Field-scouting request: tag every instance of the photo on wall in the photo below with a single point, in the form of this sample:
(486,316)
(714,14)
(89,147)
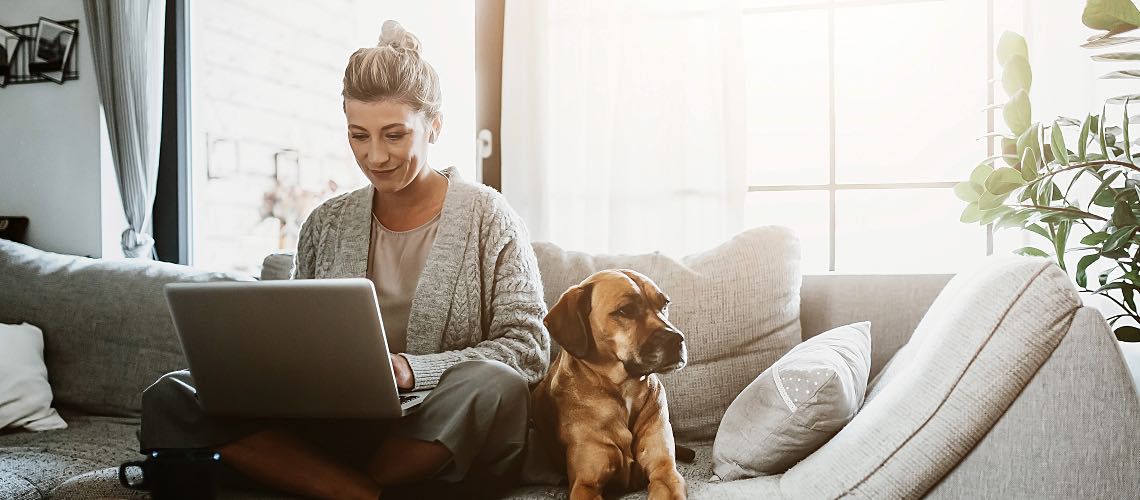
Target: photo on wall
(51,48)
(9,46)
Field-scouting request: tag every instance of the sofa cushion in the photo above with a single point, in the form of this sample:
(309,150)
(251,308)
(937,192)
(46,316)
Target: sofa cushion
(738,305)
(25,395)
(984,337)
(796,405)
(33,463)
(107,330)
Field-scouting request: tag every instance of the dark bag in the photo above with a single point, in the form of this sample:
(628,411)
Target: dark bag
(176,474)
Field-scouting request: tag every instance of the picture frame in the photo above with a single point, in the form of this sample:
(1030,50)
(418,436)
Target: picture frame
(51,48)
(9,47)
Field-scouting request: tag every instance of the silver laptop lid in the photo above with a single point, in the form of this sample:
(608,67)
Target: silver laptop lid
(287,348)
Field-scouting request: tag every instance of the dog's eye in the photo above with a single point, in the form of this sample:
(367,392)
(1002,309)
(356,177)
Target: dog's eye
(626,311)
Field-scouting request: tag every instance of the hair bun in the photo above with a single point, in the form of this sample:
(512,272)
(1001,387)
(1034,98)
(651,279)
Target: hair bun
(395,36)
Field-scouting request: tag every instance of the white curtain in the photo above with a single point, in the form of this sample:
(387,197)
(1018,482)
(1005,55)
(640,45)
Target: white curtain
(127,43)
(623,122)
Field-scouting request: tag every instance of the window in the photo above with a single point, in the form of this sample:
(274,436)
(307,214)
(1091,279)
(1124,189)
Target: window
(268,135)
(862,115)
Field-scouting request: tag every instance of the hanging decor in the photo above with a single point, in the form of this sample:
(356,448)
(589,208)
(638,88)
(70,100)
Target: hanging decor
(39,52)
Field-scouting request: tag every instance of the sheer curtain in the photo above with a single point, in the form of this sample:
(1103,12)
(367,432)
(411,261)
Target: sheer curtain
(127,44)
(623,122)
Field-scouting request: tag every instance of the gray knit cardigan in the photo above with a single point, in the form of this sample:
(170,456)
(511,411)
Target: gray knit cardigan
(479,295)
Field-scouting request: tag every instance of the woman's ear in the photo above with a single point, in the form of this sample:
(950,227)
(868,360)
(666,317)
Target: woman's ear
(569,322)
(436,127)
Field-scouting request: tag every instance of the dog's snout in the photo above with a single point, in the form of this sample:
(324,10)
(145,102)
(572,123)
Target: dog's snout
(668,338)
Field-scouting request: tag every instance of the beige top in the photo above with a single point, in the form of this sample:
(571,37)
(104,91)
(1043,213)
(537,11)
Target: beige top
(395,261)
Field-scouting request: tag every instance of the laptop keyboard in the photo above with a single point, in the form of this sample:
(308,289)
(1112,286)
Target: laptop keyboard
(405,399)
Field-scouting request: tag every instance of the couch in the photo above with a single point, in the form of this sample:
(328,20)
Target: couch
(996,383)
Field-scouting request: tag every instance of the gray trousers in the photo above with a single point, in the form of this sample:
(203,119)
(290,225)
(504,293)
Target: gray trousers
(478,411)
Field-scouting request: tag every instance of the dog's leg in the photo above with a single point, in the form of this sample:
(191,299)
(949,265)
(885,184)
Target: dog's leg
(589,467)
(654,452)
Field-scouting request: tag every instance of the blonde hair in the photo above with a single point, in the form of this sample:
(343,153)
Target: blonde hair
(393,69)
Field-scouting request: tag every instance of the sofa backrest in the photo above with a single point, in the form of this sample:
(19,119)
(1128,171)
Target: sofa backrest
(107,330)
(893,303)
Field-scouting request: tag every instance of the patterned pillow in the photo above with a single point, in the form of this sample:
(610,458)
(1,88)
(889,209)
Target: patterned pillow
(795,406)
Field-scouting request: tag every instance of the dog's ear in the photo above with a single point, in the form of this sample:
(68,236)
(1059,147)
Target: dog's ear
(569,322)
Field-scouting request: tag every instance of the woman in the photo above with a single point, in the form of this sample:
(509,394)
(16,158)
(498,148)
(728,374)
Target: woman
(462,301)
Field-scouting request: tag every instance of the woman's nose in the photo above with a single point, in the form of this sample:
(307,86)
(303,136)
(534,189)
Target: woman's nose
(377,154)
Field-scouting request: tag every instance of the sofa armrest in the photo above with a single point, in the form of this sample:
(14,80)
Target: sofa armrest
(1071,433)
(893,303)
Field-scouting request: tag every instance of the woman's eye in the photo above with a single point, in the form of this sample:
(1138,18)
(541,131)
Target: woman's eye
(395,137)
(360,137)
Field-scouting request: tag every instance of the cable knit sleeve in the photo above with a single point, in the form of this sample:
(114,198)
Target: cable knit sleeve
(513,317)
(304,260)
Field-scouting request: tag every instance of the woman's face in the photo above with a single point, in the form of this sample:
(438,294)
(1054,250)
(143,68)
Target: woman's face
(389,140)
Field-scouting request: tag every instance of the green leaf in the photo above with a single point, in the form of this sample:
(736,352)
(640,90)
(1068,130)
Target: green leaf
(1108,40)
(1030,251)
(1016,75)
(971,214)
(1122,215)
(967,191)
(993,214)
(989,201)
(1094,238)
(1059,240)
(1002,181)
(1058,145)
(1121,98)
(1127,333)
(1124,74)
(1028,139)
(1113,16)
(1127,146)
(1011,44)
(1117,56)
(1082,266)
(1083,140)
(1017,112)
(980,173)
(1028,164)
(1106,198)
(1009,150)
(1038,229)
(1119,239)
(1100,134)
(1013,218)
(1103,196)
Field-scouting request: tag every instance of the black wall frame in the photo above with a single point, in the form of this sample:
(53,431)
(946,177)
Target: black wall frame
(171,213)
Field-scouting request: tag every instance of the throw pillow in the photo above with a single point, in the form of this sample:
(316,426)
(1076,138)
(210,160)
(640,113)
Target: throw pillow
(25,395)
(737,303)
(796,405)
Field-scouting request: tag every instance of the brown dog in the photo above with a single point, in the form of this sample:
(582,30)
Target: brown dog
(600,410)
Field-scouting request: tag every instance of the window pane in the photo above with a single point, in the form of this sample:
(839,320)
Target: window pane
(805,212)
(787,99)
(909,92)
(904,231)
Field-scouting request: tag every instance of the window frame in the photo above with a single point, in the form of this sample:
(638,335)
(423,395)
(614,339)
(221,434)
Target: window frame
(831,187)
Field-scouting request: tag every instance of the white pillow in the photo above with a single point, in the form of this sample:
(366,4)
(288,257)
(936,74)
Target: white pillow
(25,395)
(796,405)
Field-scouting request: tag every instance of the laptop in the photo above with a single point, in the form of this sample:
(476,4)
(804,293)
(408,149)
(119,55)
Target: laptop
(288,348)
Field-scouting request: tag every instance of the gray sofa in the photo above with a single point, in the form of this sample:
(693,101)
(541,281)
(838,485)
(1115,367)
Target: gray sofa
(1055,421)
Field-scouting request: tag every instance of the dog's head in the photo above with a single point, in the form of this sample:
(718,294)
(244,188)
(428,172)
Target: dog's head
(618,315)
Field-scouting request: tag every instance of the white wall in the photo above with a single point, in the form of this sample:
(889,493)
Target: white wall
(50,153)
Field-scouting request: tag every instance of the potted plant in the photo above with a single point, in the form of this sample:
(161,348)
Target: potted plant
(1033,181)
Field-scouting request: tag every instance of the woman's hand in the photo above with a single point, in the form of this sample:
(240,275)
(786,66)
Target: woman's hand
(404,377)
